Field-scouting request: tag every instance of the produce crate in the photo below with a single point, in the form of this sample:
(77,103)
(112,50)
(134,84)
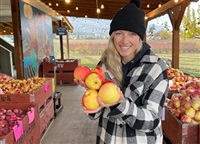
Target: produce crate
(46,117)
(178,132)
(66,65)
(39,96)
(64,71)
(30,131)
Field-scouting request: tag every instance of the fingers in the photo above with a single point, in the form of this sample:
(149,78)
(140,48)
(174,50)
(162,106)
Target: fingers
(92,111)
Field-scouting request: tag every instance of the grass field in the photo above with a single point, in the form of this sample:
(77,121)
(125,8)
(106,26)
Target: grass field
(89,51)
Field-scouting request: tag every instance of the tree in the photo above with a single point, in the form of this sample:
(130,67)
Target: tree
(165,34)
(189,24)
(151,29)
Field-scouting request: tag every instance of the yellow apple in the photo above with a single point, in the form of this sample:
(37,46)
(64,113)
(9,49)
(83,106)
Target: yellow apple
(89,100)
(109,93)
(93,81)
(81,72)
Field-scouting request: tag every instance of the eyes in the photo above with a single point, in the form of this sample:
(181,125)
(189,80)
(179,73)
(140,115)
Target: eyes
(118,33)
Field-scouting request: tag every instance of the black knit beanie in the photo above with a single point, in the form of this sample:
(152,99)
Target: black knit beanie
(130,18)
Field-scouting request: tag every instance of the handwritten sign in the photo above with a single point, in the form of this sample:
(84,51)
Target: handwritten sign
(31,115)
(47,87)
(18,130)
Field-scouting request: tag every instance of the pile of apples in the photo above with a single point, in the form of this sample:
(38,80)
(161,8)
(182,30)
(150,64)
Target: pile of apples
(178,78)
(173,72)
(96,85)
(18,86)
(9,118)
(185,105)
(191,88)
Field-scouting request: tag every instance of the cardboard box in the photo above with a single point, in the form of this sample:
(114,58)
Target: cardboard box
(178,132)
(30,131)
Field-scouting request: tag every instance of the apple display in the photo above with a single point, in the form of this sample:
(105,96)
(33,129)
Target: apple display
(109,93)
(89,100)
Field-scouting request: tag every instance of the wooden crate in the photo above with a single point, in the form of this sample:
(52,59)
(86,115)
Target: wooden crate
(62,66)
(39,96)
(46,116)
(30,131)
(178,132)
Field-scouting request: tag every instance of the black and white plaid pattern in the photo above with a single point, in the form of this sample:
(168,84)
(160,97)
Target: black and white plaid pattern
(137,120)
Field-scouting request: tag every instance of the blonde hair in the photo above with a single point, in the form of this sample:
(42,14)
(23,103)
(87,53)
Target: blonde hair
(112,60)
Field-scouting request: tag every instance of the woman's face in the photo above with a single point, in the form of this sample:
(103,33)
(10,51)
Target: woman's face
(126,43)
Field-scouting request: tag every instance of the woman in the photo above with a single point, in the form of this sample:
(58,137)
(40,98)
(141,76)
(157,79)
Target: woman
(142,78)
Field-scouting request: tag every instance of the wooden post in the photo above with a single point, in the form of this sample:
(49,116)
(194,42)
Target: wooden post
(18,52)
(67,41)
(61,42)
(176,16)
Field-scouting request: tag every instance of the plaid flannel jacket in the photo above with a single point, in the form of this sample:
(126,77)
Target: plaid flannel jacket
(137,120)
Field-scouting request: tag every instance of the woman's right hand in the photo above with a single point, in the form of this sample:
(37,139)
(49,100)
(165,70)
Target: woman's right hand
(80,82)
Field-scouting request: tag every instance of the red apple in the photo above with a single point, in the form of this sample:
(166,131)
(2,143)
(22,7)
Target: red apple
(107,81)
(191,84)
(109,93)
(195,95)
(190,90)
(100,71)
(183,90)
(81,72)
(93,81)
(186,119)
(89,100)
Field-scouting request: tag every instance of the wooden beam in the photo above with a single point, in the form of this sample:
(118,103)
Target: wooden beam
(17,39)
(163,9)
(176,16)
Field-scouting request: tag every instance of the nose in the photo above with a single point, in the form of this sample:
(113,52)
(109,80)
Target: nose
(125,39)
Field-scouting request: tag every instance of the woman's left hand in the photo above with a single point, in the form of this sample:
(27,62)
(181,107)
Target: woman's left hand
(102,105)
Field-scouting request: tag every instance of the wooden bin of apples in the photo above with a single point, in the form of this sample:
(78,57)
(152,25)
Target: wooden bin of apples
(19,123)
(34,90)
(96,85)
(64,70)
(182,115)
(179,80)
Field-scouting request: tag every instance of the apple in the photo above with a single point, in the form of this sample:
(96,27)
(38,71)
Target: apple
(190,90)
(186,119)
(197,116)
(177,103)
(81,72)
(190,112)
(195,95)
(89,100)
(187,105)
(191,84)
(183,90)
(100,71)
(93,81)
(196,104)
(198,83)
(109,93)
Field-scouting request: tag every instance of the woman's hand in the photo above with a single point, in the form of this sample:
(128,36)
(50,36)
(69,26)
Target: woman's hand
(102,104)
(80,82)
